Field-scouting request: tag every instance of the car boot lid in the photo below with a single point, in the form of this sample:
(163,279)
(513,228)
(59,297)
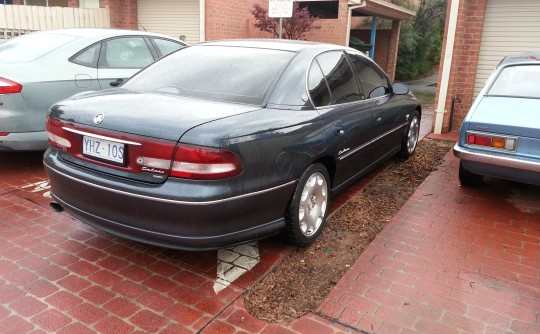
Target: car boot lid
(503,115)
(143,113)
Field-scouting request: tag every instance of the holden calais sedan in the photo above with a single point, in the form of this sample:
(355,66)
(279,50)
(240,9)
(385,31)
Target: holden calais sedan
(227,141)
(42,68)
(500,136)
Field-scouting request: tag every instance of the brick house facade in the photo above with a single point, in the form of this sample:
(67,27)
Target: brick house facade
(226,19)
(464,62)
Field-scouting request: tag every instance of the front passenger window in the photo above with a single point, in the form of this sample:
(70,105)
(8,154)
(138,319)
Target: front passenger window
(373,81)
(338,80)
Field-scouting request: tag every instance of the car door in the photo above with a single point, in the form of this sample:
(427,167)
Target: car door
(342,106)
(387,116)
(122,57)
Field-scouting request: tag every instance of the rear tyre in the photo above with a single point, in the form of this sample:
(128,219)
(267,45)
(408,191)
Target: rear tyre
(410,138)
(308,208)
(470,179)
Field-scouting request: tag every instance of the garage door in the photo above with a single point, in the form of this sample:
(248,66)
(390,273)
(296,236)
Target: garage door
(170,17)
(510,26)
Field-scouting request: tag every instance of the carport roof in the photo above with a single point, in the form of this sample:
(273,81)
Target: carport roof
(380,8)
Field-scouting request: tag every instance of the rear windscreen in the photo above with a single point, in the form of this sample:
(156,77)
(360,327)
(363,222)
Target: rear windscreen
(222,73)
(517,81)
(30,47)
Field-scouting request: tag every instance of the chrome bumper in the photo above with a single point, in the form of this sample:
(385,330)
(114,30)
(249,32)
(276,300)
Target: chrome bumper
(496,159)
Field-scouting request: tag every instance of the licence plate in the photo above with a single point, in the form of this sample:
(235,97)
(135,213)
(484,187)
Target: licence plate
(104,149)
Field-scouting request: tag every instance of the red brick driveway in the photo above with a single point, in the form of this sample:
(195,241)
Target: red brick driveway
(453,260)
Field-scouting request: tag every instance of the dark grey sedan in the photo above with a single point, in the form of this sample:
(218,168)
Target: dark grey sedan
(226,142)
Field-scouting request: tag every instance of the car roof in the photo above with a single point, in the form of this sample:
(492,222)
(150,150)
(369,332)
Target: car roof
(99,32)
(276,44)
(526,58)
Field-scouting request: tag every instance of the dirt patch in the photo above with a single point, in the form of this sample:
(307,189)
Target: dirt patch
(304,278)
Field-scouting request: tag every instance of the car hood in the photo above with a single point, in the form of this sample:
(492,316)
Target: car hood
(504,115)
(148,114)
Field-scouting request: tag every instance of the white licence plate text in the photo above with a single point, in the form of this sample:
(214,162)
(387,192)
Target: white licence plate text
(103,149)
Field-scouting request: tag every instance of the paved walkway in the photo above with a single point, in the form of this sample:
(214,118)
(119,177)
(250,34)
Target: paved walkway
(452,260)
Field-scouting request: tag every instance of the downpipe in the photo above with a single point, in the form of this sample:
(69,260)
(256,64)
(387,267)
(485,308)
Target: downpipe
(56,207)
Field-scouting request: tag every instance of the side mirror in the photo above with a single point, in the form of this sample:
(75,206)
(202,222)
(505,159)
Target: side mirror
(400,88)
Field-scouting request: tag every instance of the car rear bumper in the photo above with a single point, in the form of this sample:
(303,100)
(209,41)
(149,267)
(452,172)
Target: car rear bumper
(107,203)
(24,141)
(493,164)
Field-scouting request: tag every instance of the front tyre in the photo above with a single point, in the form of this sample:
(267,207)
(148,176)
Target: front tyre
(308,208)
(410,138)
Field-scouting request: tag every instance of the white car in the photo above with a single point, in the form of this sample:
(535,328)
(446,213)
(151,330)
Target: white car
(41,68)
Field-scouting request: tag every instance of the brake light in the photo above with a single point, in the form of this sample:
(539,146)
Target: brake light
(56,134)
(4,134)
(500,142)
(202,163)
(9,87)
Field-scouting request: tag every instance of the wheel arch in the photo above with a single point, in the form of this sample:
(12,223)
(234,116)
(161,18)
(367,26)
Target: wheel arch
(330,164)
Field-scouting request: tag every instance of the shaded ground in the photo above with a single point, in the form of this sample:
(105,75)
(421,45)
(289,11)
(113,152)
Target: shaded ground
(307,275)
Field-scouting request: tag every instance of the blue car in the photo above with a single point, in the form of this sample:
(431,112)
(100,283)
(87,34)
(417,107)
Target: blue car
(500,136)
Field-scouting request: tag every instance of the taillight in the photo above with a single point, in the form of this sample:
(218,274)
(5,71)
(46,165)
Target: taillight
(9,87)
(493,141)
(57,135)
(203,163)
(148,155)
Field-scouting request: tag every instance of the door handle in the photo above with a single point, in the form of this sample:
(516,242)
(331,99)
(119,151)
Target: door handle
(378,119)
(117,82)
(339,130)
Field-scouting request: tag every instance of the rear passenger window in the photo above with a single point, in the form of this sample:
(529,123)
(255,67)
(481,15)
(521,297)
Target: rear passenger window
(373,81)
(336,84)
(318,89)
(126,52)
(165,46)
(88,57)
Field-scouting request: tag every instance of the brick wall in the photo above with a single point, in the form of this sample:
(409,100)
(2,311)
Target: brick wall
(381,45)
(332,30)
(465,60)
(385,47)
(233,19)
(123,13)
(228,19)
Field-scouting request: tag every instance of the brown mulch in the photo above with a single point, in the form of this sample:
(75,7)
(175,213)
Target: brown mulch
(304,278)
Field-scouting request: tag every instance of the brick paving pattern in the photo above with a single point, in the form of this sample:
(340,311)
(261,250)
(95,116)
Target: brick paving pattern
(453,260)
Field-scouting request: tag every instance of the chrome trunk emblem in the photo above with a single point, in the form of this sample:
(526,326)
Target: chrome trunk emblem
(99,118)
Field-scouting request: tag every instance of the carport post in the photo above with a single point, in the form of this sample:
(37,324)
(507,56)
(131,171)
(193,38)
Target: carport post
(372,38)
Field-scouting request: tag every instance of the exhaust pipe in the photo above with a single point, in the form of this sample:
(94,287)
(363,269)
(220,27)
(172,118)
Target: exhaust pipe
(56,207)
